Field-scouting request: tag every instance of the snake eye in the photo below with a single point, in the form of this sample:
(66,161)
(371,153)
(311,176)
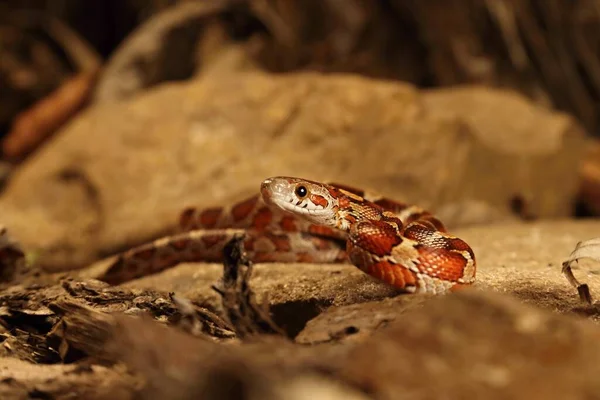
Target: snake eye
(301,191)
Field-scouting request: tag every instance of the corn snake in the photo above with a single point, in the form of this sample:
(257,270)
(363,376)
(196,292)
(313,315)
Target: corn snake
(297,220)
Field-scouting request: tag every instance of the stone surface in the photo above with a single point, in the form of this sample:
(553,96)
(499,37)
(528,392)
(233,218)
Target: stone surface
(520,148)
(478,345)
(23,380)
(119,174)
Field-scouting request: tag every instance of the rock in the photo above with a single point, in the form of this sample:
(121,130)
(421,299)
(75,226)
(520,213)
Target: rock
(164,48)
(23,380)
(470,344)
(356,322)
(478,345)
(119,174)
(177,366)
(520,145)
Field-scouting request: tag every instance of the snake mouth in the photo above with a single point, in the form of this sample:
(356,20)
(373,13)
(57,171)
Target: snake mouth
(299,207)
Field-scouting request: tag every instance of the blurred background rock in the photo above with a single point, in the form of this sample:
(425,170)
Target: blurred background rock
(495,101)
(544,49)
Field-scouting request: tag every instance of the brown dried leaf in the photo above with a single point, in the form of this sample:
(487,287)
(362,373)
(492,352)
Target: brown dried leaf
(586,249)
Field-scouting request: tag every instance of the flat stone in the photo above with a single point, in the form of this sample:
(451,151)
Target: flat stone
(478,345)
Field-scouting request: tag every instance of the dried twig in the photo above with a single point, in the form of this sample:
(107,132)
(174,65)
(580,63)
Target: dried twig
(198,321)
(246,316)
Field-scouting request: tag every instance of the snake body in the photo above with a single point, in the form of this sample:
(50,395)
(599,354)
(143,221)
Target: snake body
(298,220)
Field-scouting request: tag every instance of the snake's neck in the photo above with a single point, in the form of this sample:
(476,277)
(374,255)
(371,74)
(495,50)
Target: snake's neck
(352,209)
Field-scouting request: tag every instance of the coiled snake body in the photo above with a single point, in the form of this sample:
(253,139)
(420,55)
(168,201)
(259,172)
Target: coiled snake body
(297,220)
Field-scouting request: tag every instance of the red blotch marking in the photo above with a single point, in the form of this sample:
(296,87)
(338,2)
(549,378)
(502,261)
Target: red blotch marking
(187,219)
(209,217)
(351,219)
(212,240)
(249,243)
(197,254)
(319,230)
(344,202)
(281,242)
(165,261)
(244,209)
(430,240)
(426,219)
(262,257)
(145,254)
(390,205)
(436,223)
(322,244)
(459,244)
(393,221)
(418,217)
(418,232)
(334,192)
(304,258)
(441,263)
(179,244)
(376,272)
(288,224)
(376,237)
(350,189)
(262,219)
(319,200)
(427,225)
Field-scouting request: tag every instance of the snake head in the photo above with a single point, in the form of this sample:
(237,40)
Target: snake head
(314,201)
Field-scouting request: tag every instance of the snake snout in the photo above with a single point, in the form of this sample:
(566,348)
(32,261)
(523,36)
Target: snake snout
(276,190)
(264,189)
